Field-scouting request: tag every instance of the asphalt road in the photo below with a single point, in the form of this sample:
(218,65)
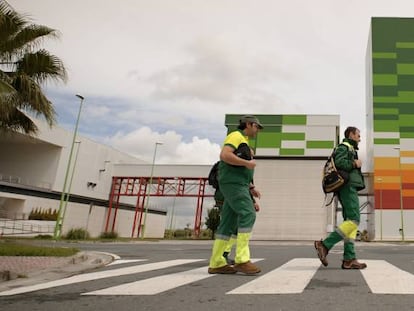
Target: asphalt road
(150,277)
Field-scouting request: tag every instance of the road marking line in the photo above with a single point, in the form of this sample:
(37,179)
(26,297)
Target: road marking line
(385,278)
(99,275)
(155,285)
(158,284)
(122,261)
(290,278)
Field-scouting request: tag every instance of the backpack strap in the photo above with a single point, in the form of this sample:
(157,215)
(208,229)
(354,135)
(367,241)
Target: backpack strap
(350,147)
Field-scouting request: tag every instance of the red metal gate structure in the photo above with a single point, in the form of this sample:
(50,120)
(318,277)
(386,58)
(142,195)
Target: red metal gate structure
(143,187)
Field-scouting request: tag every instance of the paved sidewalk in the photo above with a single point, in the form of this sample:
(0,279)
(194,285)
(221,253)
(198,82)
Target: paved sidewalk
(16,271)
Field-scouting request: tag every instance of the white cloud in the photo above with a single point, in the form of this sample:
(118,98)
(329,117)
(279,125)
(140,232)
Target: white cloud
(174,150)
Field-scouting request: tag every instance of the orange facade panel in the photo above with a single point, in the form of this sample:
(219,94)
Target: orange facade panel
(407,154)
(386,163)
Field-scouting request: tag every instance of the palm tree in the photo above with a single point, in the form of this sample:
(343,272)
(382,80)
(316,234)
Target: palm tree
(23,68)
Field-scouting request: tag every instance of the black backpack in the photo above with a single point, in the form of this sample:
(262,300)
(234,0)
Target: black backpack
(332,178)
(213,176)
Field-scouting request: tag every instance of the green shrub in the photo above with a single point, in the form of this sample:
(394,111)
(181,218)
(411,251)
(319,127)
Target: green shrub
(14,249)
(77,234)
(44,236)
(109,235)
(41,214)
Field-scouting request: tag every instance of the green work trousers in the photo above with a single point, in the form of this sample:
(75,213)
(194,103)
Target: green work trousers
(348,197)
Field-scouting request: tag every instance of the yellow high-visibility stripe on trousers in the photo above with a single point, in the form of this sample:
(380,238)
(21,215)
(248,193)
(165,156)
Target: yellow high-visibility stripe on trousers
(348,229)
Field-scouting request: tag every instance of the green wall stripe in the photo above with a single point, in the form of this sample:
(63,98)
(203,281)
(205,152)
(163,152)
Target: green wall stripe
(384,66)
(406,109)
(385,79)
(384,55)
(384,90)
(293,136)
(404,45)
(292,152)
(405,69)
(403,97)
(405,56)
(405,82)
(406,129)
(386,141)
(386,111)
(320,144)
(386,126)
(406,119)
(299,119)
(386,117)
(407,135)
(269,140)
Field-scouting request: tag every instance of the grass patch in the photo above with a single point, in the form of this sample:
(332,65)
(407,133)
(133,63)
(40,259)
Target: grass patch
(15,249)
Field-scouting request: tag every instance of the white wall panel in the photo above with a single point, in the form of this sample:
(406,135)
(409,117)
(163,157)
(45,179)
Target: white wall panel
(292,199)
(322,119)
(321,133)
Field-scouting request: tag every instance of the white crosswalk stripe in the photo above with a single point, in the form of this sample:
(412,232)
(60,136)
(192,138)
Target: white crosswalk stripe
(155,285)
(385,278)
(291,278)
(122,261)
(100,275)
(158,284)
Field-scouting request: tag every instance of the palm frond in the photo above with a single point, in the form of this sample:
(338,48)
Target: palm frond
(19,122)
(27,39)
(11,23)
(32,98)
(41,66)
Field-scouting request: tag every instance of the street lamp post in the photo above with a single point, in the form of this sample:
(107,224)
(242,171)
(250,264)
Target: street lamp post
(149,190)
(380,186)
(401,194)
(59,221)
(70,182)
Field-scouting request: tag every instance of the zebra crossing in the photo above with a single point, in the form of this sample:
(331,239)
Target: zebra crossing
(291,277)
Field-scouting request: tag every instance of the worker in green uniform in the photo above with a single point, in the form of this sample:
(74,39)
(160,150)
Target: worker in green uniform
(235,176)
(346,159)
(219,201)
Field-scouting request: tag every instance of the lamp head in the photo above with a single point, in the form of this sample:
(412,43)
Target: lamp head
(80,96)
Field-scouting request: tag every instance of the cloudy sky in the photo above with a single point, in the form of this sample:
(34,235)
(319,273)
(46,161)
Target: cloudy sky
(169,70)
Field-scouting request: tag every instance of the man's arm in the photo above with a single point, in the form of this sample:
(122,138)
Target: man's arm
(227,155)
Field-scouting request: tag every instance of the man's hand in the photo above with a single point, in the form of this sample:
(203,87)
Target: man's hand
(256,193)
(251,164)
(357,163)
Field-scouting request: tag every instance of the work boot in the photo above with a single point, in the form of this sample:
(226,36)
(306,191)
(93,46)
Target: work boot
(247,268)
(353,264)
(228,260)
(322,252)
(222,270)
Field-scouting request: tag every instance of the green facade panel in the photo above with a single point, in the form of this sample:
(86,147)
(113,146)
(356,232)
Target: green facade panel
(318,144)
(286,130)
(292,152)
(385,79)
(406,119)
(386,141)
(269,140)
(386,126)
(405,69)
(384,55)
(293,136)
(405,45)
(384,66)
(407,135)
(294,119)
